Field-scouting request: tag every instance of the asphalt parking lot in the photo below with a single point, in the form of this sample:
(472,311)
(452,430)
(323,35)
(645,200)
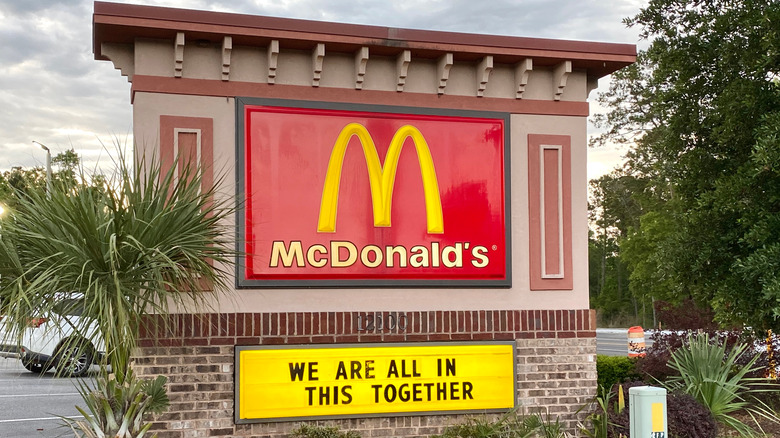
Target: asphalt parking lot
(31,405)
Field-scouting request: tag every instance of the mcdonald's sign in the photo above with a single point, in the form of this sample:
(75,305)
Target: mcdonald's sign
(354,195)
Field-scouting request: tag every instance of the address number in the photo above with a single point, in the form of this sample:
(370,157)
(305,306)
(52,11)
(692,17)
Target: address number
(378,322)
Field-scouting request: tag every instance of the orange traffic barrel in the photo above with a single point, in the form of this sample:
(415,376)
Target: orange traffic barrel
(636,342)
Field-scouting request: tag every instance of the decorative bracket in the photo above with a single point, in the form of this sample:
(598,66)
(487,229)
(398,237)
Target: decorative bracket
(273,58)
(178,55)
(227,48)
(443,71)
(122,56)
(483,74)
(361,60)
(317,56)
(402,65)
(560,75)
(522,71)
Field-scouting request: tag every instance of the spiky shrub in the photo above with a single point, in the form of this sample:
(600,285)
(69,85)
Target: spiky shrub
(117,409)
(710,373)
(144,240)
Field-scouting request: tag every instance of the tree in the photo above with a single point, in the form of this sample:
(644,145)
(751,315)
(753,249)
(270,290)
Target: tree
(69,168)
(702,106)
(143,241)
(614,212)
(19,182)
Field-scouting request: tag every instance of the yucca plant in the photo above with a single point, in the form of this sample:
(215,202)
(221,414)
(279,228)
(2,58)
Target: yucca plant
(145,240)
(710,374)
(117,409)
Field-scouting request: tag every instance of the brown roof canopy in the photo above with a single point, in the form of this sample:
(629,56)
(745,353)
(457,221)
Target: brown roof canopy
(122,23)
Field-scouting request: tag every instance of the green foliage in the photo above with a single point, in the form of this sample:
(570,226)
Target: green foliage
(125,246)
(551,429)
(308,431)
(69,168)
(615,209)
(701,109)
(118,409)
(509,425)
(710,374)
(21,182)
(685,315)
(615,369)
(18,181)
(599,417)
(148,242)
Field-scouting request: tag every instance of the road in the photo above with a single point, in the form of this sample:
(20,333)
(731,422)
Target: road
(30,405)
(614,342)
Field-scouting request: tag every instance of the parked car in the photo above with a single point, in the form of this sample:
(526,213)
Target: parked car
(47,343)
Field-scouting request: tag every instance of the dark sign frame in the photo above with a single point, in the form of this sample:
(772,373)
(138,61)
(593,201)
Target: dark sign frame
(237,373)
(243,283)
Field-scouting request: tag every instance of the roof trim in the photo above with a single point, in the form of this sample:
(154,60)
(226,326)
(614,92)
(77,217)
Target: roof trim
(112,19)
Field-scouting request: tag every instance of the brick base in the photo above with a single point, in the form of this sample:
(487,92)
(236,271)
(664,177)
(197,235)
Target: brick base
(555,356)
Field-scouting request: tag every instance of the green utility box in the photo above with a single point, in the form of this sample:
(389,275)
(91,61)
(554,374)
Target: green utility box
(647,412)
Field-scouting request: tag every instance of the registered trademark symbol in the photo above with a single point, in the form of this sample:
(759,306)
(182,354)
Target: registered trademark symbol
(495,247)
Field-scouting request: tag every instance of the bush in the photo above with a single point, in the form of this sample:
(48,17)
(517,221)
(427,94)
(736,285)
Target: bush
(654,366)
(686,315)
(686,417)
(712,375)
(509,425)
(307,431)
(615,369)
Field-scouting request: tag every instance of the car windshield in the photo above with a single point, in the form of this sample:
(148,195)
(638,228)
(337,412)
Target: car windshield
(70,307)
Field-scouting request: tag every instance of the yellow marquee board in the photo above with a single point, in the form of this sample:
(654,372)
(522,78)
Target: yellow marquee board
(276,383)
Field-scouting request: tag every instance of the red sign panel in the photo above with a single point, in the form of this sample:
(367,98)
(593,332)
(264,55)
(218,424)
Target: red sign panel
(337,197)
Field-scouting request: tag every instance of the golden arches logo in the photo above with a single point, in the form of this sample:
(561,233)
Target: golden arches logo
(381,178)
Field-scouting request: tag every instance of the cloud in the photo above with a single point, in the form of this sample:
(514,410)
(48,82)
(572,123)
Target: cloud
(51,88)
(53,91)
(33,8)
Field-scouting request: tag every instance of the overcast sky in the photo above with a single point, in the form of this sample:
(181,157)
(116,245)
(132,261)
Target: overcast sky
(53,91)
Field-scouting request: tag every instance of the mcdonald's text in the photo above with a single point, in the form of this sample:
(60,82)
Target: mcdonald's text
(342,254)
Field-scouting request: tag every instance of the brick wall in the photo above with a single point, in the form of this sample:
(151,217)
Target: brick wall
(555,356)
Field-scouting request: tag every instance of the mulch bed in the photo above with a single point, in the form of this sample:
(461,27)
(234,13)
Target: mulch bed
(771,429)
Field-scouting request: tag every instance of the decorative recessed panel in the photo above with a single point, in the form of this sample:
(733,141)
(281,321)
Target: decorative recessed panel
(549,201)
